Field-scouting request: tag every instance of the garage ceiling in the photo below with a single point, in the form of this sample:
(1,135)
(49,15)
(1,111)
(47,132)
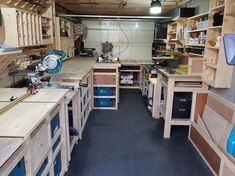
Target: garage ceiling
(116,7)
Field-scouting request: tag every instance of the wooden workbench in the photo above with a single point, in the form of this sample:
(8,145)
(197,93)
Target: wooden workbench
(172,83)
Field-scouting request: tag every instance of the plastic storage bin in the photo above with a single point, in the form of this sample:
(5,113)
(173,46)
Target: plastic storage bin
(19,169)
(55,125)
(57,165)
(103,91)
(104,102)
(182,105)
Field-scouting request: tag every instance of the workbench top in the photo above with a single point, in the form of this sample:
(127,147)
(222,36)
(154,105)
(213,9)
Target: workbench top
(168,75)
(47,96)
(8,147)
(23,118)
(10,52)
(135,62)
(16,93)
(4,104)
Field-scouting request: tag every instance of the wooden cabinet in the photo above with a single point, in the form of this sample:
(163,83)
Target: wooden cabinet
(106,89)
(176,33)
(65,36)
(22,28)
(216,72)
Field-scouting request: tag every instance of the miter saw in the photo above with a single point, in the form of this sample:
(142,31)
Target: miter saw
(51,63)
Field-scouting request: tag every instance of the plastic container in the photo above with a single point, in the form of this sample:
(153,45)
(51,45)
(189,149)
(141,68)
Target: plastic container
(231,142)
(103,91)
(104,102)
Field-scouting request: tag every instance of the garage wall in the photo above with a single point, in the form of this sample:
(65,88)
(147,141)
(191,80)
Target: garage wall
(131,40)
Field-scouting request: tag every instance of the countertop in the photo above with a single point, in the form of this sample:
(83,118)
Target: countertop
(168,75)
(135,62)
(16,93)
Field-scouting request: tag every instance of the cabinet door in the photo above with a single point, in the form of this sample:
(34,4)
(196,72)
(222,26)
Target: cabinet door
(104,79)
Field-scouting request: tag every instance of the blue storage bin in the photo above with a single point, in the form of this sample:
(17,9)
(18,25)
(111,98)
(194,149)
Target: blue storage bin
(19,169)
(55,125)
(103,102)
(57,142)
(42,168)
(103,91)
(57,165)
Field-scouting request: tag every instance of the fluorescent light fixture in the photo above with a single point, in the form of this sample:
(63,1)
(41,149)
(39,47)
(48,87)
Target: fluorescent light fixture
(156,7)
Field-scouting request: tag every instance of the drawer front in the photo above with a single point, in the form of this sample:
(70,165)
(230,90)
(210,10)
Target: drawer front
(209,154)
(42,168)
(19,169)
(104,79)
(40,145)
(57,165)
(55,124)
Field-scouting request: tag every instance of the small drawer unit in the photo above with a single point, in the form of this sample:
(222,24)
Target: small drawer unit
(57,165)
(104,102)
(19,169)
(104,91)
(182,105)
(55,124)
(42,168)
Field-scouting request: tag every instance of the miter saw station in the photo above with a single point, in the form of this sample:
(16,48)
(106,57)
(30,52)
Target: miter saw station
(51,64)
(107,56)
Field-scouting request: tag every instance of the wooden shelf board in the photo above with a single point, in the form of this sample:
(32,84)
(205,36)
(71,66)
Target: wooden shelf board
(212,65)
(104,85)
(107,108)
(129,70)
(194,54)
(201,45)
(215,27)
(129,87)
(212,47)
(171,33)
(105,97)
(198,16)
(218,8)
(198,30)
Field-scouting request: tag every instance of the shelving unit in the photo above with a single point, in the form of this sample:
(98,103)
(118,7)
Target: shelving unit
(106,88)
(176,33)
(196,41)
(130,76)
(216,72)
(22,28)
(65,36)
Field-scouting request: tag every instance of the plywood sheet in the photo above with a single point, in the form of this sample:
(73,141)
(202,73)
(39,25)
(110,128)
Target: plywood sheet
(8,146)
(215,124)
(23,118)
(209,154)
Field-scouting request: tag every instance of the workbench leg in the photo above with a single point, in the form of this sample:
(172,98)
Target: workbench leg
(157,97)
(169,106)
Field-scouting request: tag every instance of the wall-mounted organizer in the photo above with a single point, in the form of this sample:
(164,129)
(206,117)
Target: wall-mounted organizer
(106,89)
(130,76)
(176,33)
(65,36)
(22,28)
(216,72)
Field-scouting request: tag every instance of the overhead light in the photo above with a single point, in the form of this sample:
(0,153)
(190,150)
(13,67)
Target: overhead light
(156,7)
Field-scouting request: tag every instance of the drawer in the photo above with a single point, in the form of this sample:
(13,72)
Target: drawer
(42,168)
(55,124)
(57,165)
(104,79)
(40,145)
(19,169)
